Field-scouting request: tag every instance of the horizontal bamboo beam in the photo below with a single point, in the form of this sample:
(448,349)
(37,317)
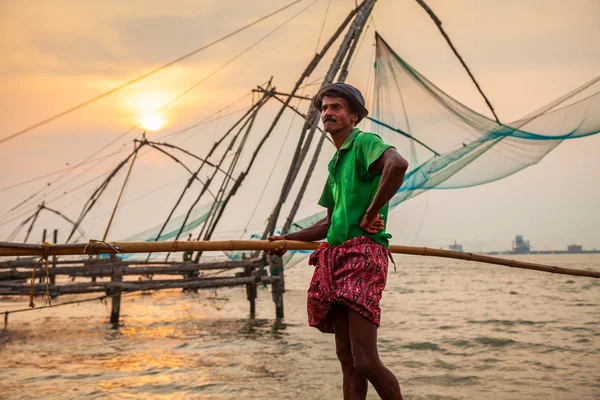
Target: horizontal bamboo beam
(426,251)
(20,249)
(132,286)
(107,270)
(31,261)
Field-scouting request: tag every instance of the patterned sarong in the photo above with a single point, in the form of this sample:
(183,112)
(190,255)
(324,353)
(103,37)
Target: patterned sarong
(352,274)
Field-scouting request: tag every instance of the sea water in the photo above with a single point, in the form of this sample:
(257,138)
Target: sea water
(450,330)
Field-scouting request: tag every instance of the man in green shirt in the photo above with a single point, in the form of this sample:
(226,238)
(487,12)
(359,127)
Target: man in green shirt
(351,268)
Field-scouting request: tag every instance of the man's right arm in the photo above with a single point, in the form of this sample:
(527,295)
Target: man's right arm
(316,231)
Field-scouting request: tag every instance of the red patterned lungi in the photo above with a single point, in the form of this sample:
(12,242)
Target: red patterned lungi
(352,274)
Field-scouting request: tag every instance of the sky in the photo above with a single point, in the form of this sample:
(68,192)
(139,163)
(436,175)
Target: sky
(59,54)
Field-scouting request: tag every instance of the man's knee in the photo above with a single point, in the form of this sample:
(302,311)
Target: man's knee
(366,364)
(344,355)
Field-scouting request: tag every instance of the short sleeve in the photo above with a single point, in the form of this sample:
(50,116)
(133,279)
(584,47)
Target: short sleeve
(370,148)
(327,199)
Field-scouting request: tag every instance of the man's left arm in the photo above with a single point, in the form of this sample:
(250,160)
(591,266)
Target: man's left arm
(392,167)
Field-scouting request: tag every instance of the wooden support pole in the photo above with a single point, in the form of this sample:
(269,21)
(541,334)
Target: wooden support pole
(191,275)
(43,241)
(54,240)
(251,289)
(278,286)
(251,292)
(250,271)
(85,266)
(116,291)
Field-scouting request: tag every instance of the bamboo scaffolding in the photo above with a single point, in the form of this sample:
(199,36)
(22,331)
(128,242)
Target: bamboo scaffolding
(353,40)
(274,95)
(35,216)
(191,180)
(133,286)
(21,249)
(91,201)
(244,121)
(106,270)
(311,123)
(31,261)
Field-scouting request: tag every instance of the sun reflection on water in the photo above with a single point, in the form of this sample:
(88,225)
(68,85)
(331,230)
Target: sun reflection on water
(141,361)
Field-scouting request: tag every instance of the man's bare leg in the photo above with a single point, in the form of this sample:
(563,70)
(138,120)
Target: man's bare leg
(355,385)
(363,339)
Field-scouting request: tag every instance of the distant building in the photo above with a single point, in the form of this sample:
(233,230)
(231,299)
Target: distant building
(520,245)
(456,247)
(574,248)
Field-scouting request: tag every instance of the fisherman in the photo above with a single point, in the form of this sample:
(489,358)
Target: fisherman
(351,267)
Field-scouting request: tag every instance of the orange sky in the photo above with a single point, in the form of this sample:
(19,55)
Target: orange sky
(55,55)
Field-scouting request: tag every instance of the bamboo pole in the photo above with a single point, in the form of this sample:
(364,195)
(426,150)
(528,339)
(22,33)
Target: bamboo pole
(112,287)
(54,258)
(29,263)
(116,280)
(108,269)
(311,123)
(95,247)
(35,216)
(91,201)
(114,212)
(43,240)
(445,35)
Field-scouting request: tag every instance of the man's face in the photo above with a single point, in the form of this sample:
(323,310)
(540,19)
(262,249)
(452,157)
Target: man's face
(336,114)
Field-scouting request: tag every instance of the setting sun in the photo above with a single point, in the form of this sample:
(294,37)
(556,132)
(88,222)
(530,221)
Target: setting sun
(153,123)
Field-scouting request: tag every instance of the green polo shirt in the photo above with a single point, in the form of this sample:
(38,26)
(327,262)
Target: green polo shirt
(350,188)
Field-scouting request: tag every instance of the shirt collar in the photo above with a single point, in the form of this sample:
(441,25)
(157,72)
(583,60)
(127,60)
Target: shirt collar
(350,139)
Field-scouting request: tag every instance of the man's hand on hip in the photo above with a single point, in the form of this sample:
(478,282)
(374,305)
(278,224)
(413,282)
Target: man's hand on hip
(372,223)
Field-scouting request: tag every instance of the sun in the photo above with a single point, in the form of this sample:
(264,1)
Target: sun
(153,123)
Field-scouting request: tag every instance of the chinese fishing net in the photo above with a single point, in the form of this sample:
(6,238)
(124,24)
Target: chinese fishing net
(449,145)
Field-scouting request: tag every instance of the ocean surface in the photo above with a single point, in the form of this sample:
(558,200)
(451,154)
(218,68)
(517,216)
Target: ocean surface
(450,330)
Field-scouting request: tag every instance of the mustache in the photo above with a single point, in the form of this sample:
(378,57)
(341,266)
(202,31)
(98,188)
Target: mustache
(329,118)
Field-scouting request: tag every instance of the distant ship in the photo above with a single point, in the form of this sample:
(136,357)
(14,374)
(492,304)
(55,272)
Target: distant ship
(520,245)
(456,247)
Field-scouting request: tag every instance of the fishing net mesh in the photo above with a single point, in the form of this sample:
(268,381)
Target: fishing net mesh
(449,145)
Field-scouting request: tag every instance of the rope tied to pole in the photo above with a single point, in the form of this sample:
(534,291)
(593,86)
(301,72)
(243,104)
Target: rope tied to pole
(91,248)
(44,259)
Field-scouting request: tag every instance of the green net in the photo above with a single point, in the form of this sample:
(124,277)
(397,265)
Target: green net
(452,146)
